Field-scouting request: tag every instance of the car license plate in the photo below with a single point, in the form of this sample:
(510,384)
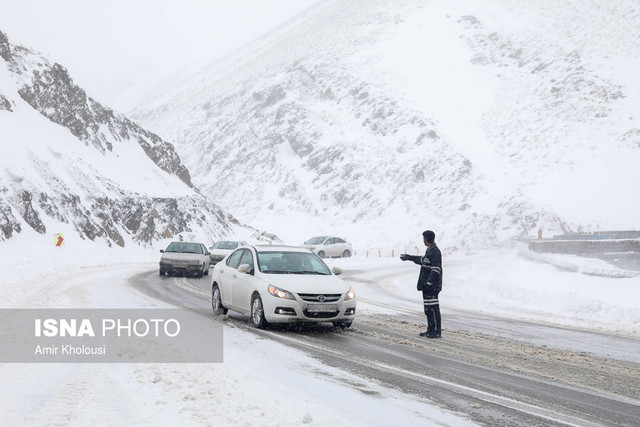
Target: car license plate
(321,308)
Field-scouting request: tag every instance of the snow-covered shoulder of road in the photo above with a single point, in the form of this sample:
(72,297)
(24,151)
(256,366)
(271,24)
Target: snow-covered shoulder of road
(260,382)
(566,290)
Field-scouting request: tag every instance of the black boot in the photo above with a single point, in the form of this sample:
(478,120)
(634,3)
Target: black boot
(431,321)
(436,311)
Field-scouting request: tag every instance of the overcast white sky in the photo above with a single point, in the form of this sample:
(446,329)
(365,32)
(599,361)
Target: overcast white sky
(124,52)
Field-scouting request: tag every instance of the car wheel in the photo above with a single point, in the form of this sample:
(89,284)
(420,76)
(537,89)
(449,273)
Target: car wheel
(162,272)
(321,254)
(206,270)
(346,253)
(257,313)
(216,302)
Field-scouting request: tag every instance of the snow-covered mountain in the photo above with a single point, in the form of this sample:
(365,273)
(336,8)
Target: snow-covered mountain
(483,120)
(69,164)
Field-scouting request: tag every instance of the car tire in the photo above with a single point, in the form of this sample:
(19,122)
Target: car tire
(257,313)
(321,254)
(162,272)
(216,302)
(206,270)
(346,253)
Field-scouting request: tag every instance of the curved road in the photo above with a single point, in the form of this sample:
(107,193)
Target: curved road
(496,371)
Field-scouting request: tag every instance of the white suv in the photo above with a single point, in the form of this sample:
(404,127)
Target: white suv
(329,246)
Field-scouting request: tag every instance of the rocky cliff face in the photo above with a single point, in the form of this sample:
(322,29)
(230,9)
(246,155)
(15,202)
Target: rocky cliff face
(52,92)
(133,217)
(75,171)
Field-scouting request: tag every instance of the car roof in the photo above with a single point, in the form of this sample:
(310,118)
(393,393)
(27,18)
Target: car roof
(190,243)
(280,248)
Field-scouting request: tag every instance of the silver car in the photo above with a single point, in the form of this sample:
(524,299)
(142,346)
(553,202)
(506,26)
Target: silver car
(185,258)
(329,246)
(281,284)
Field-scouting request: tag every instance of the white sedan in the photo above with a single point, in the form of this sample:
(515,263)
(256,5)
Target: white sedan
(329,246)
(281,284)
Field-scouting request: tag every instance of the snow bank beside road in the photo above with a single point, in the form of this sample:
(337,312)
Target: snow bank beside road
(502,282)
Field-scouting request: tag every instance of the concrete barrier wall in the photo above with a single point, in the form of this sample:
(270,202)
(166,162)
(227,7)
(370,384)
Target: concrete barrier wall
(586,247)
(600,235)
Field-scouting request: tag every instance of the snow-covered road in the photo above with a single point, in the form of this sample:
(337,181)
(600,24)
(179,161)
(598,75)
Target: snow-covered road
(492,369)
(488,367)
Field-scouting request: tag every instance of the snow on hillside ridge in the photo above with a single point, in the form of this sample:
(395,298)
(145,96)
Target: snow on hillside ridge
(70,165)
(484,120)
(50,90)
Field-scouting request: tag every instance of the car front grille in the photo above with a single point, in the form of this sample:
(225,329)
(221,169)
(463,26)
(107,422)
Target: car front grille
(320,297)
(327,315)
(180,262)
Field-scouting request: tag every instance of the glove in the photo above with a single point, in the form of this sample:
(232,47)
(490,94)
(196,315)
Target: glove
(404,257)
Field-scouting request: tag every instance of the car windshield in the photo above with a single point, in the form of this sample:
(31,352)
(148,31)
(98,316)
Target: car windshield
(291,263)
(185,248)
(225,245)
(315,240)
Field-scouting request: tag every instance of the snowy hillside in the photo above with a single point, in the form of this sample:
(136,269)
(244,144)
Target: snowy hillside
(70,165)
(483,120)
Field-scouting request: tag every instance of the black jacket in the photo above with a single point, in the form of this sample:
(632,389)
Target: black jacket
(430,279)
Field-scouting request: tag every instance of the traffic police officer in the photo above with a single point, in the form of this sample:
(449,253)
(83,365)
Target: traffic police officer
(429,282)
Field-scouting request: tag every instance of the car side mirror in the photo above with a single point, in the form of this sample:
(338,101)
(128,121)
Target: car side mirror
(337,271)
(207,253)
(245,268)
(161,251)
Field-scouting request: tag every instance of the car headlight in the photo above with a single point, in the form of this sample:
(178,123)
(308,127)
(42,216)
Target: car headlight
(280,293)
(350,295)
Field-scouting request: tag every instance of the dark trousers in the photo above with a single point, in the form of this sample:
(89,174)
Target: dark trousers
(432,311)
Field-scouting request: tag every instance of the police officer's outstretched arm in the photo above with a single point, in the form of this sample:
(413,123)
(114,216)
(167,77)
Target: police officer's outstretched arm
(407,257)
